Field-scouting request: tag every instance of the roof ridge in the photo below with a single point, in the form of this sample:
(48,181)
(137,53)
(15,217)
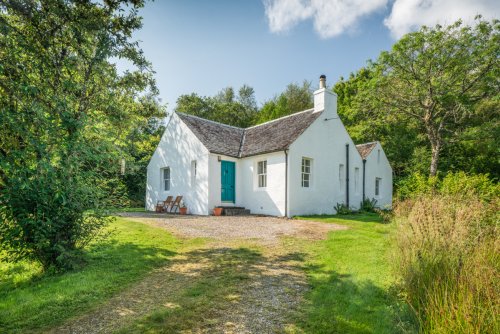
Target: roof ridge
(242,142)
(209,120)
(250,127)
(277,119)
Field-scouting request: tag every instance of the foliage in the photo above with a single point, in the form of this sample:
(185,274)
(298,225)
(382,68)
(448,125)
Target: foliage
(65,116)
(368,205)
(447,261)
(295,98)
(138,148)
(342,209)
(432,99)
(33,300)
(438,77)
(225,107)
(457,185)
(398,135)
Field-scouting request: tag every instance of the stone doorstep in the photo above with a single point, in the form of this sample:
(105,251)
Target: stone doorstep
(235,211)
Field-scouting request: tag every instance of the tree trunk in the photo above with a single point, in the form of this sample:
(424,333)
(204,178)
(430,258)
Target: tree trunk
(436,141)
(436,149)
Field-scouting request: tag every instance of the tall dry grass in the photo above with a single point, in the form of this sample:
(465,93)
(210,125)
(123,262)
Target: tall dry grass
(448,262)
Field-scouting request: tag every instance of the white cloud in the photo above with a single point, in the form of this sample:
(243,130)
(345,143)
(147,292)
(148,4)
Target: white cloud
(331,17)
(409,15)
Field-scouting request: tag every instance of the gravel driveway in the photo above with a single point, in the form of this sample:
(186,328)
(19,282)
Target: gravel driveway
(257,228)
(267,299)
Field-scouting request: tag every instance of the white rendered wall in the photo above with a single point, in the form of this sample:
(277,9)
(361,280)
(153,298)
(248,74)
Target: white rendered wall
(269,200)
(381,169)
(178,147)
(324,142)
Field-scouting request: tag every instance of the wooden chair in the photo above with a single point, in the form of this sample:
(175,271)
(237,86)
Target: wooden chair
(175,204)
(163,205)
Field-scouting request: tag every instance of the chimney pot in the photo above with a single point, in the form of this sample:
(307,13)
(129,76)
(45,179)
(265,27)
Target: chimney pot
(322,81)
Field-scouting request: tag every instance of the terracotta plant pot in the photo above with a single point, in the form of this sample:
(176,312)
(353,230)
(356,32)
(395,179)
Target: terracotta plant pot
(183,211)
(218,211)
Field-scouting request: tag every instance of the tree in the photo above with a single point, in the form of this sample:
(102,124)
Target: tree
(224,107)
(438,77)
(65,116)
(399,135)
(295,98)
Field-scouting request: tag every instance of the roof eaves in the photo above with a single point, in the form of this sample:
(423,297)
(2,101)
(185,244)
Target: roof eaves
(209,120)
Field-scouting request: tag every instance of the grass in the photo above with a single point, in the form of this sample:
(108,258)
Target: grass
(449,263)
(30,299)
(202,304)
(138,209)
(350,276)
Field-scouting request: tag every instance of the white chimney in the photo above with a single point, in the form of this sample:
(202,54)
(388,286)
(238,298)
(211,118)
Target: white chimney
(325,99)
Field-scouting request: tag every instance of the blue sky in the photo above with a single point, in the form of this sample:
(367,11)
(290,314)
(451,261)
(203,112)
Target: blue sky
(204,46)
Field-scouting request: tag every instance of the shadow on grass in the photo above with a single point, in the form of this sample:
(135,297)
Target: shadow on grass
(339,304)
(44,300)
(234,293)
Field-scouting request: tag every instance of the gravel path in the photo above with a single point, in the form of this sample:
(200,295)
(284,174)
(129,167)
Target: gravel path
(266,301)
(257,228)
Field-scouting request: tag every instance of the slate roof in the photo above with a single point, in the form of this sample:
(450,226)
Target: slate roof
(276,135)
(366,148)
(217,137)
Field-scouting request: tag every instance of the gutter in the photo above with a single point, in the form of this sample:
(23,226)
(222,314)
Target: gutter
(364,173)
(347,174)
(286,182)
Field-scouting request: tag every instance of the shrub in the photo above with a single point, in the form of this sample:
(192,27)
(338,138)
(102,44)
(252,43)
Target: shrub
(342,209)
(45,216)
(368,205)
(448,261)
(454,184)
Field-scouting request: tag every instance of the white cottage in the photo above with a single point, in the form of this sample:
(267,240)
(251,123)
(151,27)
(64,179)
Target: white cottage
(300,164)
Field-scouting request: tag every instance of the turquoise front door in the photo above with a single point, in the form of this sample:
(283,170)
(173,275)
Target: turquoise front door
(227,176)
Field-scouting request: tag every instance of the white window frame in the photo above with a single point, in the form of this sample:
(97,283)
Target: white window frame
(378,183)
(262,174)
(166,183)
(341,178)
(306,173)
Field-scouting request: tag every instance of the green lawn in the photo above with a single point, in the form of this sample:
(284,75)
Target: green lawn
(31,300)
(350,276)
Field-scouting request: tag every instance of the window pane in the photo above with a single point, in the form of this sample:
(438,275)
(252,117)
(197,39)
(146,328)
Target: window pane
(262,180)
(306,172)
(259,167)
(377,186)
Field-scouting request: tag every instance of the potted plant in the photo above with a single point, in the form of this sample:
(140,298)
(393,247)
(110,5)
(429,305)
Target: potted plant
(183,209)
(218,211)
